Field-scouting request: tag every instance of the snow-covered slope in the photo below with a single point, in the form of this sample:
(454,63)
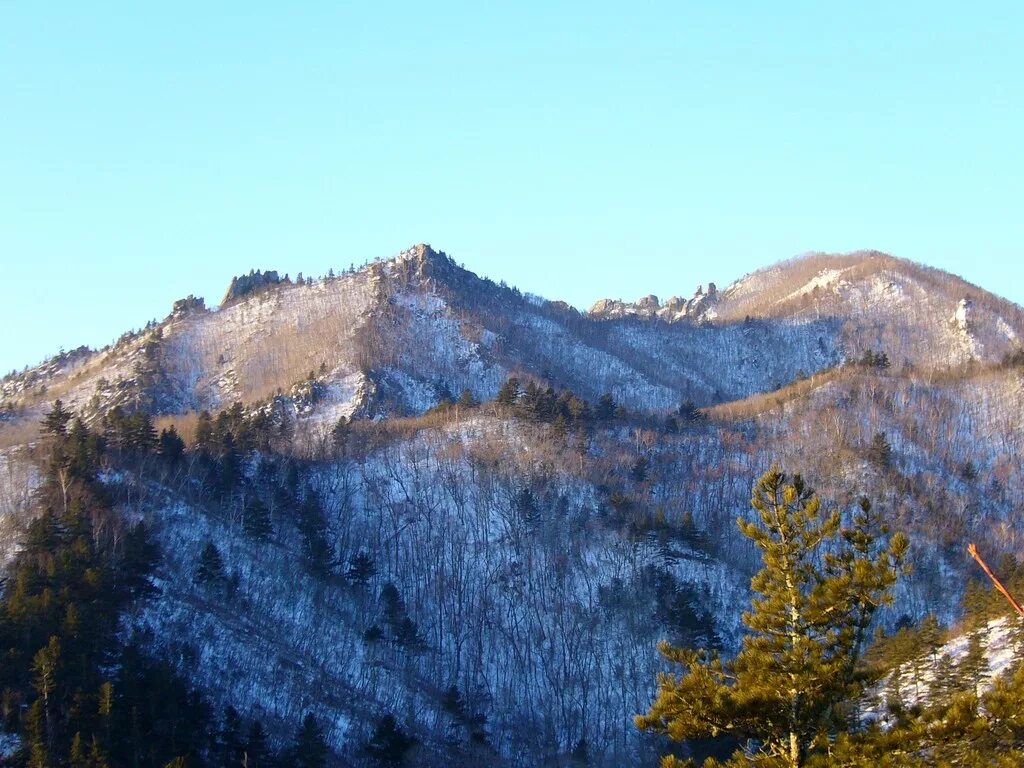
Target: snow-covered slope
(916,314)
(401,335)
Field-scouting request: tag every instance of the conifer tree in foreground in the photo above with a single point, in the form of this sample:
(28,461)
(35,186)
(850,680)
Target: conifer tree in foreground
(310,750)
(814,601)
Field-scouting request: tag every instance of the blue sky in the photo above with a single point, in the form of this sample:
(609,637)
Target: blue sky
(579,151)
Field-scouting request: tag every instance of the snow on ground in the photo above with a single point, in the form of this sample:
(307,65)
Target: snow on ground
(1002,641)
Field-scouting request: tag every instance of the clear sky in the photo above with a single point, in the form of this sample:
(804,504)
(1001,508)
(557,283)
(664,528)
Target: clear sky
(577,150)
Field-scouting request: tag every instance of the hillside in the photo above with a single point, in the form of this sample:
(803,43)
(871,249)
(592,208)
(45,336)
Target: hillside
(428,529)
(919,315)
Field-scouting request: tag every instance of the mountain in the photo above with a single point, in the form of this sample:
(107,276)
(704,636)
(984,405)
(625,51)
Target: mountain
(921,316)
(531,549)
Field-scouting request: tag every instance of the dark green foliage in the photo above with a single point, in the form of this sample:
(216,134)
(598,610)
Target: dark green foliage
(534,402)
(56,420)
(982,602)
(526,507)
(256,520)
(170,445)
(204,433)
(230,747)
(452,702)
(257,752)
(880,452)
(508,395)
(638,472)
(73,695)
(815,597)
(131,432)
(974,667)
(361,569)
(606,406)
(210,568)
(340,434)
(690,413)
(310,749)
(402,629)
(312,525)
(872,359)
(389,746)
(1014,359)
(966,730)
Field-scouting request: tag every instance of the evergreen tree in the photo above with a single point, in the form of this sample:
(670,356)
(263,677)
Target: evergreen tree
(211,565)
(880,452)
(142,435)
(310,750)
(638,472)
(606,406)
(820,585)
(229,743)
(361,569)
(313,526)
(256,521)
(943,683)
(56,420)
(689,412)
(508,395)
(86,701)
(339,434)
(974,666)
(204,441)
(170,446)
(389,746)
(257,753)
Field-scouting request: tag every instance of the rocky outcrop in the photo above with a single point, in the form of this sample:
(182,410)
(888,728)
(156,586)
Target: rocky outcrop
(699,307)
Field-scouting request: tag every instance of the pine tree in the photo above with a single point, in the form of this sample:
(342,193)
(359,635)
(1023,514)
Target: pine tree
(638,472)
(256,523)
(361,569)
(142,435)
(204,433)
(509,393)
(974,666)
(880,452)
(606,406)
(689,412)
(943,683)
(170,446)
(56,420)
(819,588)
(229,743)
(339,434)
(211,565)
(389,745)
(310,750)
(313,527)
(257,753)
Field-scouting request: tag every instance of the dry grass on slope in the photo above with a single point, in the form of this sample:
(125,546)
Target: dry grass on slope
(761,403)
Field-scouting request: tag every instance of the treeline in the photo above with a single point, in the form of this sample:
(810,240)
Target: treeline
(799,692)
(72,693)
(530,400)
